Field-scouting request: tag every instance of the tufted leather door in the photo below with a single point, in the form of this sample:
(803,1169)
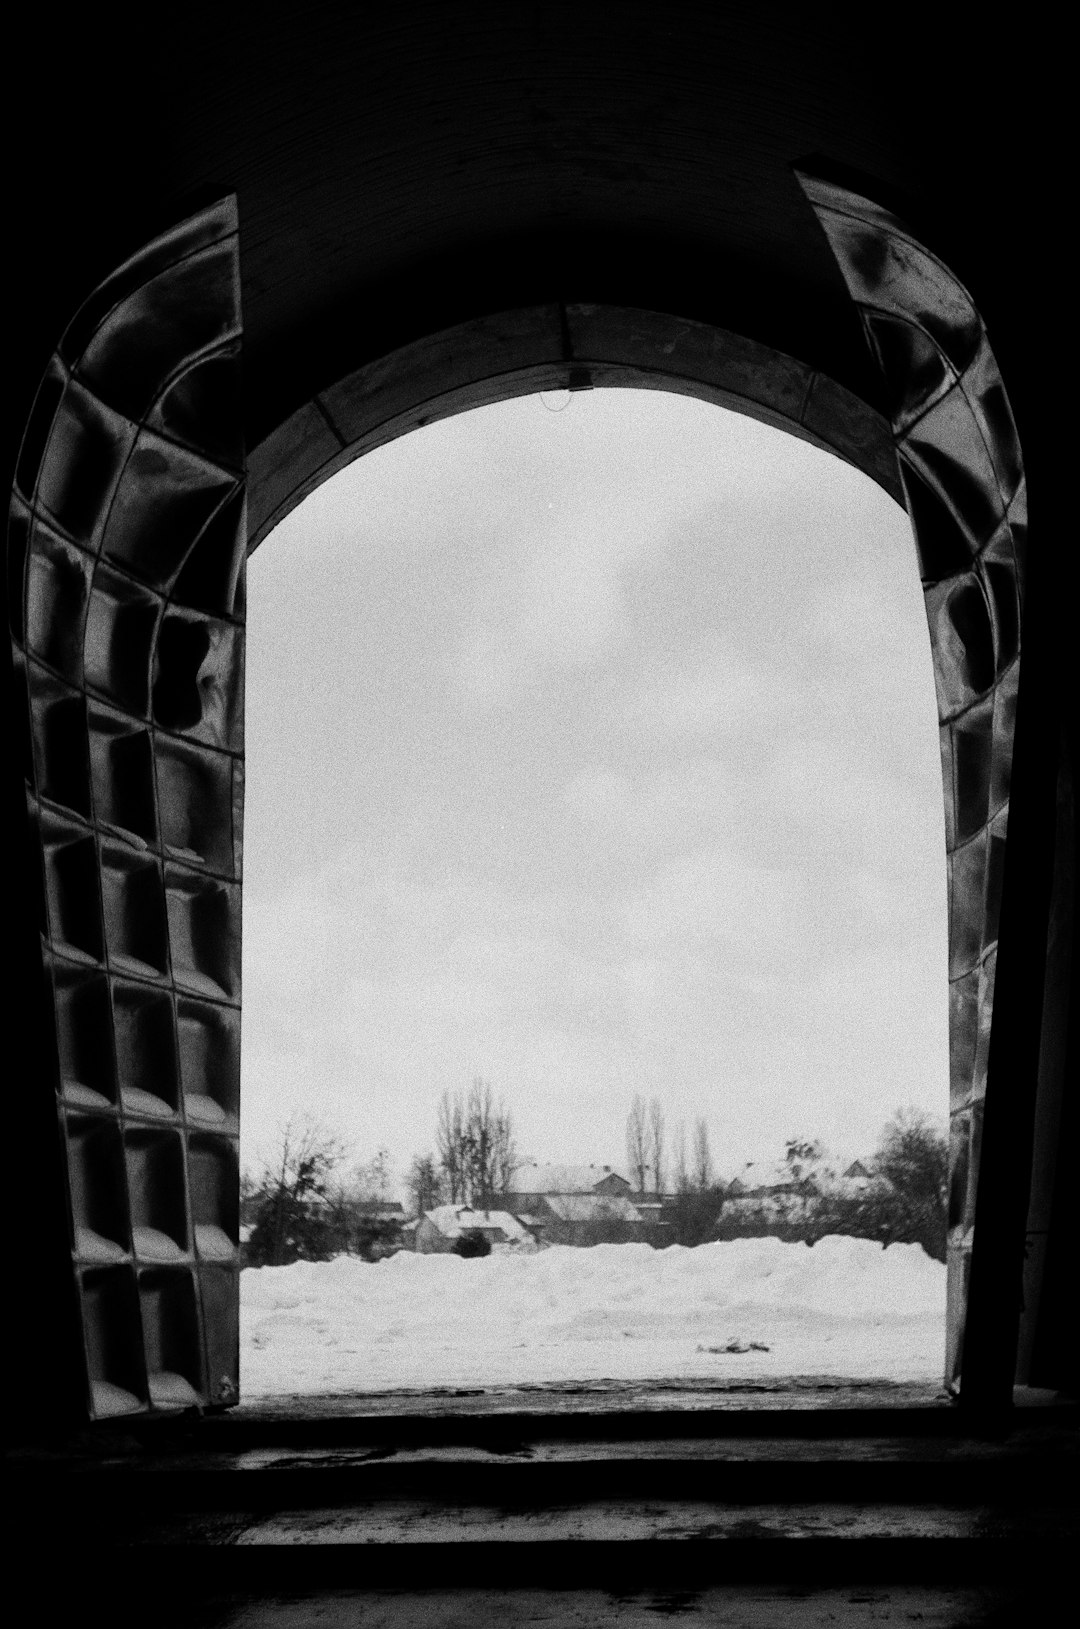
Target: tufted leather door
(127,546)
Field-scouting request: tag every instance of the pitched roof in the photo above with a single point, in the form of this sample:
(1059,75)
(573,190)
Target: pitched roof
(454,1220)
(560,1179)
(759,1176)
(592,1207)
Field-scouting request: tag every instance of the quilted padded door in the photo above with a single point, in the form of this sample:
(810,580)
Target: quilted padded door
(127,546)
(963,476)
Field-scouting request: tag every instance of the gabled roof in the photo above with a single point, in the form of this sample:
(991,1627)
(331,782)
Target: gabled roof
(759,1176)
(561,1179)
(454,1220)
(592,1207)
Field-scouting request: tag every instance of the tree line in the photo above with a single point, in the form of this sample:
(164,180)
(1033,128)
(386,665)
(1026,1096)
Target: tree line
(308,1202)
(903,1198)
(646,1151)
(474,1157)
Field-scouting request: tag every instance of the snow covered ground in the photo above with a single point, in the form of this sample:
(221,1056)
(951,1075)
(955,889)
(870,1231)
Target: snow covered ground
(737,1310)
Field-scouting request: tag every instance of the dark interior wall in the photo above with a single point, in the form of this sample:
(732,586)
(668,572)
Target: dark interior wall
(403,167)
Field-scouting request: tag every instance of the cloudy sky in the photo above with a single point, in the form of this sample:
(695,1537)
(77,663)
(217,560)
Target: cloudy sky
(593,752)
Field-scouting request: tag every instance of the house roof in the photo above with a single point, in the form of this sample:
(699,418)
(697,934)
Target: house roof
(454,1220)
(592,1207)
(759,1176)
(561,1179)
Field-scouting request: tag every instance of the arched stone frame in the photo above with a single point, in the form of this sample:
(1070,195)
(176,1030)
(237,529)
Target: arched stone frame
(151,546)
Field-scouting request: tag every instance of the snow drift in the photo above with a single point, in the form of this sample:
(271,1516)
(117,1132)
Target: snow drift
(734,1310)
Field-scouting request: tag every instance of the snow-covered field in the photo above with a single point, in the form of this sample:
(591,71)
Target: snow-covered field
(737,1310)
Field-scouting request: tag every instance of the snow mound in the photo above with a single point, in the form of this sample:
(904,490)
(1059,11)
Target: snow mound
(747,1307)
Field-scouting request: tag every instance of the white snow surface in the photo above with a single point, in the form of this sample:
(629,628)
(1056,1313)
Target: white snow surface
(844,1307)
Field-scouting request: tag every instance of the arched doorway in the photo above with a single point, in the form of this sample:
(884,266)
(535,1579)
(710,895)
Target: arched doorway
(592,752)
(129,529)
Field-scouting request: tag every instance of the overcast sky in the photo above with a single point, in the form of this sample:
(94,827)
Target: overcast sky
(593,752)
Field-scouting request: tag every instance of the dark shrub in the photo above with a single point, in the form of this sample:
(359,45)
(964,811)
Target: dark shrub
(287,1230)
(473,1243)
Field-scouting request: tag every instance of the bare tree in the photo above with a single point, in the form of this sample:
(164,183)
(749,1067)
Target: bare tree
(682,1172)
(251,1193)
(424,1183)
(637,1140)
(489,1146)
(505,1154)
(475,1142)
(337,1214)
(477,1146)
(699,1197)
(372,1183)
(656,1143)
(479,1136)
(449,1144)
(702,1164)
(293,1215)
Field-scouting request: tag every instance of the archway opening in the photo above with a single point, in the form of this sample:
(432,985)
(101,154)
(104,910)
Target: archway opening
(592,756)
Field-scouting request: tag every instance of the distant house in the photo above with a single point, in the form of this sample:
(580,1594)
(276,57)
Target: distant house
(583,1205)
(378,1227)
(855,1179)
(589,1218)
(759,1178)
(857,1182)
(378,1210)
(762,1195)
(530,1184)
(365,1227)
(650,1205)
(438,1231)
(773,1199)
(655,1213)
